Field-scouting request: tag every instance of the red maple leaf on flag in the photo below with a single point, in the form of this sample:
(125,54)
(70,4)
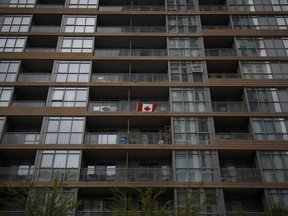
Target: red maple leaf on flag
(147,108)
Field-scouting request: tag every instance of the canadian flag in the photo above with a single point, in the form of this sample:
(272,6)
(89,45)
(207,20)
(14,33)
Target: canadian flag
(146,107)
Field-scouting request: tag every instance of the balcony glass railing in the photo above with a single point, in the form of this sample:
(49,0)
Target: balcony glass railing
(15,173)
(129,77)
(34,77)
(240,175)
(228,106)
(130,52)
(119,29)
(234,136)
(213,7)
(224,75)
(45,29)
(131,8)
(247,213)
(20,138)
(49,5)
(12,213)
(216,27)
(259,7)
(220,52)
(127,174)
(40,49)
(118,106)
(127,138)
(28,103)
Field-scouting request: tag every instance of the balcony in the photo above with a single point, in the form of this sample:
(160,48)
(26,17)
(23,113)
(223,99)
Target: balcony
(122,77)
(217,27)
(132,29)
(213,8)
(20,138)
(15,174)
(220,52)
(127,174)
(130,52)
(45,28)
(240,175)
(40,49)
(224,75)
(131,8)
(119,106)
(228,106)
(127,138)
(28,103)
(234,136)
(34,77)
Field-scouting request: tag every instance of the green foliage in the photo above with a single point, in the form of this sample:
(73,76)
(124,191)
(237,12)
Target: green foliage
(192,205)
(146,196)
(277,210)
(45,201)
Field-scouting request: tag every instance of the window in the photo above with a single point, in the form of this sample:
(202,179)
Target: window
(2,124)
(270,128)
(196,166)
(58,164)
(5,96)
(8,70)
(76,44)
(12,44)
(20,3)
(190,99)
(185,46)
(20,23)
(277,196)
(82,4)
(264,70)
(181,5)
(193,131)
(79,23)
(72,71)
(69,97)
(260,22)
(211,208)
(64,130)
(182,24)
(274,165)
(262,46)
(187,71)
(268,99)
(258,5)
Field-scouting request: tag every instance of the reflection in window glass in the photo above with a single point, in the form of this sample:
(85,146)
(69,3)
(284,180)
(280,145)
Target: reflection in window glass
(195,166)
(270,128)
(187,71)
(193,131)
(72,71)
(274,165)
(268,99)
(58,164)
(189,99)
(76,44)
(5,96)
(64,130)
(82,4)
(19,23)
(8,70)
(12,44)
(69,97)
(79,23)
(20,3)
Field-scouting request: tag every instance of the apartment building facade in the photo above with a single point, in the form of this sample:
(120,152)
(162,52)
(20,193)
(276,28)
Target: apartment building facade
(74,72)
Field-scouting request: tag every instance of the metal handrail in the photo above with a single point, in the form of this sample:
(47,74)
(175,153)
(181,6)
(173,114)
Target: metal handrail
(127,174)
